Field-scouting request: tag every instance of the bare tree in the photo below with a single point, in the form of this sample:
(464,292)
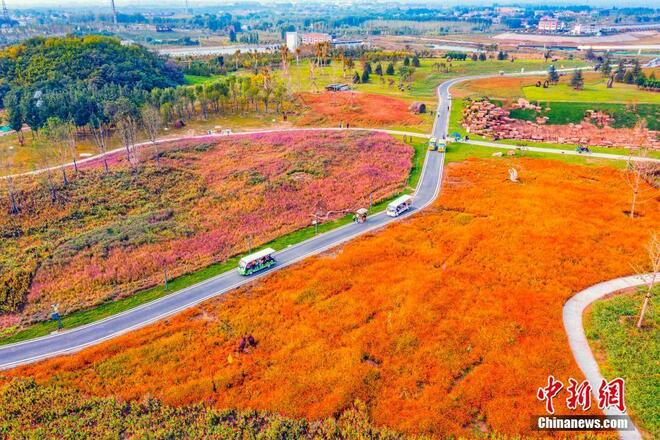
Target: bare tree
(127,127)
(152,122)
(55,132)
(653,249)
(633,176)
(6,169)
(100,135)
(46,164)
(237,55)
(69,136)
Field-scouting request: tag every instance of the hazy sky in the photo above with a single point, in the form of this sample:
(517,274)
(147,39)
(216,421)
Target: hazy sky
(87,3)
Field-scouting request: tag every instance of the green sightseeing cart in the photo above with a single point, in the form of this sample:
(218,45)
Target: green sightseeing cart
(257,261)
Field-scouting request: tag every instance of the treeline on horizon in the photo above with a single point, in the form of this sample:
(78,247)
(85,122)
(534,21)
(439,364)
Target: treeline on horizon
(95,81)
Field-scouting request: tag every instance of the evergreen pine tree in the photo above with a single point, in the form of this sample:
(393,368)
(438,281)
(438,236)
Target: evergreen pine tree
(628,77)
(620,71)
(577,80)
(365,76)
(606,68)
(553,76)
(636,70)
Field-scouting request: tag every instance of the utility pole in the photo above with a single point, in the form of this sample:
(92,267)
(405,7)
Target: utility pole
(5,12)
(114,11)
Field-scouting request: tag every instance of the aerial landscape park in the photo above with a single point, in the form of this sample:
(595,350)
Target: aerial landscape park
(329,220)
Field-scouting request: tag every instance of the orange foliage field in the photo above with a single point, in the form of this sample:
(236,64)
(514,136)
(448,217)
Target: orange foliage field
(444,323)
(498,87)
(357,109)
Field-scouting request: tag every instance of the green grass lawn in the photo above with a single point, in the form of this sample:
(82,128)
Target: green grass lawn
(625,115)
(627,352)
(197,79)
(592,92)
(458,152)
(83,317)
(425,79)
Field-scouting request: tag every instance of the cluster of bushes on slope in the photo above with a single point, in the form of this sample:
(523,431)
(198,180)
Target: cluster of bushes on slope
(103,235)
(30,410)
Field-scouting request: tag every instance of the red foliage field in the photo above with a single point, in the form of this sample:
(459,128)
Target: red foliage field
(357,109)
(444,323)
(109,235)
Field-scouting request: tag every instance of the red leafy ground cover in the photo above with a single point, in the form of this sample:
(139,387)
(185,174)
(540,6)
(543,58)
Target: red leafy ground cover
(446,323)
(357,109)
(107,236)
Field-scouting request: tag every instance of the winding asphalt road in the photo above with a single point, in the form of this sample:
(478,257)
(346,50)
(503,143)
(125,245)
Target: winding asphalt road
(78,338)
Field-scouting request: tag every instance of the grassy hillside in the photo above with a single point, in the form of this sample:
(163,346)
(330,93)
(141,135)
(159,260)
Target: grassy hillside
(29,410)
(105,236)
(595,91)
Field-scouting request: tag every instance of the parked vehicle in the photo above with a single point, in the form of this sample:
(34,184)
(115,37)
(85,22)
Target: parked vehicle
(399,206)
(257,261)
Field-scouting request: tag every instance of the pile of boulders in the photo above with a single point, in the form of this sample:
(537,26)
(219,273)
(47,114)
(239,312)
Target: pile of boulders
(524,104)
(598,118)
(484,118)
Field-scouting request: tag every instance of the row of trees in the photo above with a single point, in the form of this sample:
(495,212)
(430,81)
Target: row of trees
(405,72)
(628,72)
(60,118)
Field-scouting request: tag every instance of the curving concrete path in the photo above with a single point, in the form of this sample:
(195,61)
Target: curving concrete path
(572,316)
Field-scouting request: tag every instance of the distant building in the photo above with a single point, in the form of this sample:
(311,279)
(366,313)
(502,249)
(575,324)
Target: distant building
(348,44)
(295,39)
(549,24)
(585,29)
(508,11)
(315,38)
(292,41)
